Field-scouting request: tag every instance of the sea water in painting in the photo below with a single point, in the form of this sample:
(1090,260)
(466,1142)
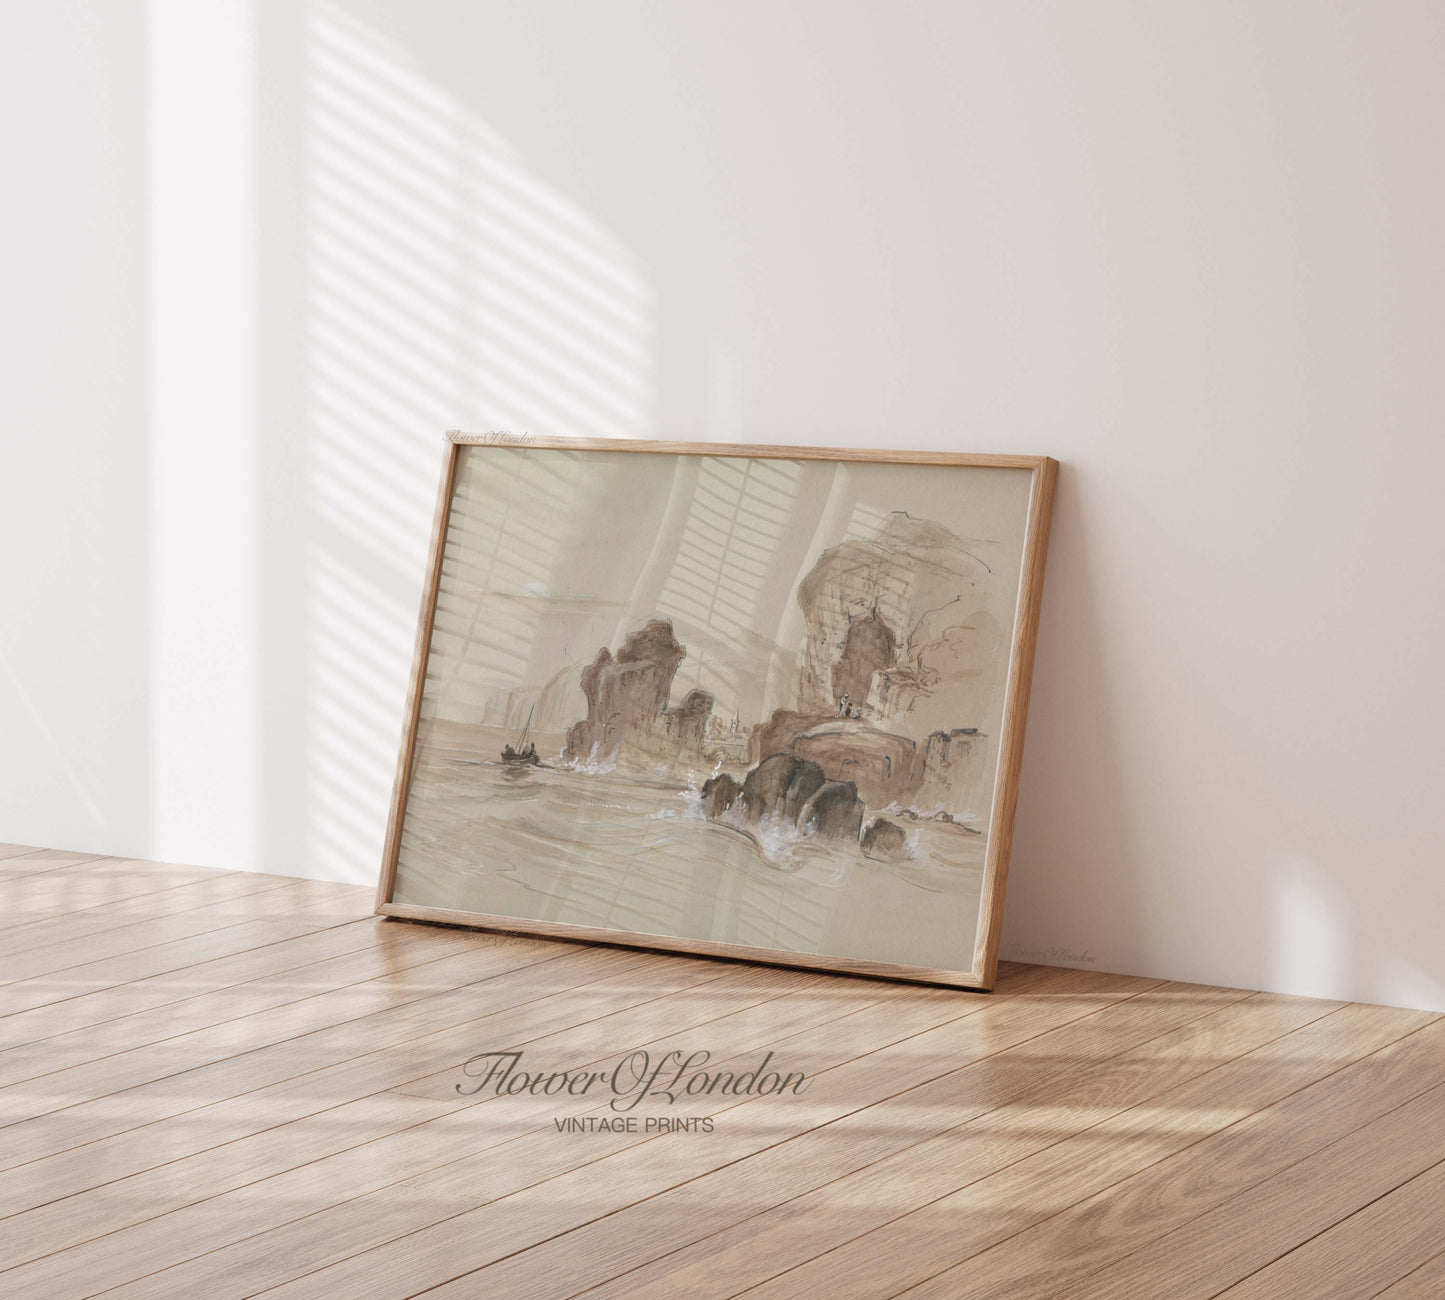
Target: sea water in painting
(753,701)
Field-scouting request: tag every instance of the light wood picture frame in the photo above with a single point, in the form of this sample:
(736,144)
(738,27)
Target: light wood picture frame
(754,702)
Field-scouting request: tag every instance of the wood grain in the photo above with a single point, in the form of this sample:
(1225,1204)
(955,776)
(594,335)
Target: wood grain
(312,1210)
(1279,1213)
(786,1171)
(1427,1282)
(1374,1247)
(284,1120)
(68,1208)
(1082,1161)
(1083,1086)
(511,1148)
(1048,1260)
(115,1001)
(313,905)
(377,956)
(69,942)
(180,894)
(21,861)
(505,1224)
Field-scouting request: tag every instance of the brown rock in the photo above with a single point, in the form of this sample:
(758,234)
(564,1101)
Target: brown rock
(719,793)
(780,785)
(884,766)
(776,735)
(952,771)
(686,724)
(627,702)
(869,646)
(885,841)
(834,813)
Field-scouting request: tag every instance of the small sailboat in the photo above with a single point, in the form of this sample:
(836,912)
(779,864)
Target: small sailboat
(524,752)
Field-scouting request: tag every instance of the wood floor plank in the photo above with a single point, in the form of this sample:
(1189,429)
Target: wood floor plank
(16,869)
(1356,1258)
(990,1210)
(1425,1283)
(1274,1216)
(228,1085)
(275,899)
(398,1010)
(505,1152)
(324,1211)
(1082,1089)
(66,899)
(743,1009)
(495,1229)
(72,880)
(56,1225)
(1044,1261)
(718,1199)
(181,893)
(447,1022)
(126,1072)
(170,988)
(389,951)
(316,906)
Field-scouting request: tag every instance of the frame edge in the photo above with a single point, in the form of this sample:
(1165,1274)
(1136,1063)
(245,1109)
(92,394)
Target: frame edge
(962,980)
(431,584)
(983,974)
(1016,708)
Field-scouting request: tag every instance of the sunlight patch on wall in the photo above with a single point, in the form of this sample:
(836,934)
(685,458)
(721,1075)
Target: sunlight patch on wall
(446,285)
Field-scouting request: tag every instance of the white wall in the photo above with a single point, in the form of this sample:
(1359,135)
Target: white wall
(259,255)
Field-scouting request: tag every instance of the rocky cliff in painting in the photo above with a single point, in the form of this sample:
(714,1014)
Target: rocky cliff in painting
(898,664)
(797,792)
(943,773)
(628,715)
(552,708)
(899,628)
(901,635)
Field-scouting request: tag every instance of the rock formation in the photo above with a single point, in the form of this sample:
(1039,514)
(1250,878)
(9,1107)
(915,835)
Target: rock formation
(945,773)
(791,790)
(628,717)
(882,765)
(906,624)
(884,841)
(719,793)
(869,647)
(834,813)
(776,735)
(952,772)
(552,708)
(779,787)
(906,631)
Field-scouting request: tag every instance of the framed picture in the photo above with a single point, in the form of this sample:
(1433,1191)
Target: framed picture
(753,702)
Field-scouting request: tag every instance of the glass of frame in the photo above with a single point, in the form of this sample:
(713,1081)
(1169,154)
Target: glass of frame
(754,702)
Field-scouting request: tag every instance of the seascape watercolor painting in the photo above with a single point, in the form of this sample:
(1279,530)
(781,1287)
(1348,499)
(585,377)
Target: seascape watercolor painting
(740,700)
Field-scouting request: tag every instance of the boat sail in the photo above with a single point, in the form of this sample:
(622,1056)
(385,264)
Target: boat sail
(524,752)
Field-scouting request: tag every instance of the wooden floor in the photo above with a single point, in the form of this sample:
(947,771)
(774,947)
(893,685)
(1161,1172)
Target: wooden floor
(216,1085)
